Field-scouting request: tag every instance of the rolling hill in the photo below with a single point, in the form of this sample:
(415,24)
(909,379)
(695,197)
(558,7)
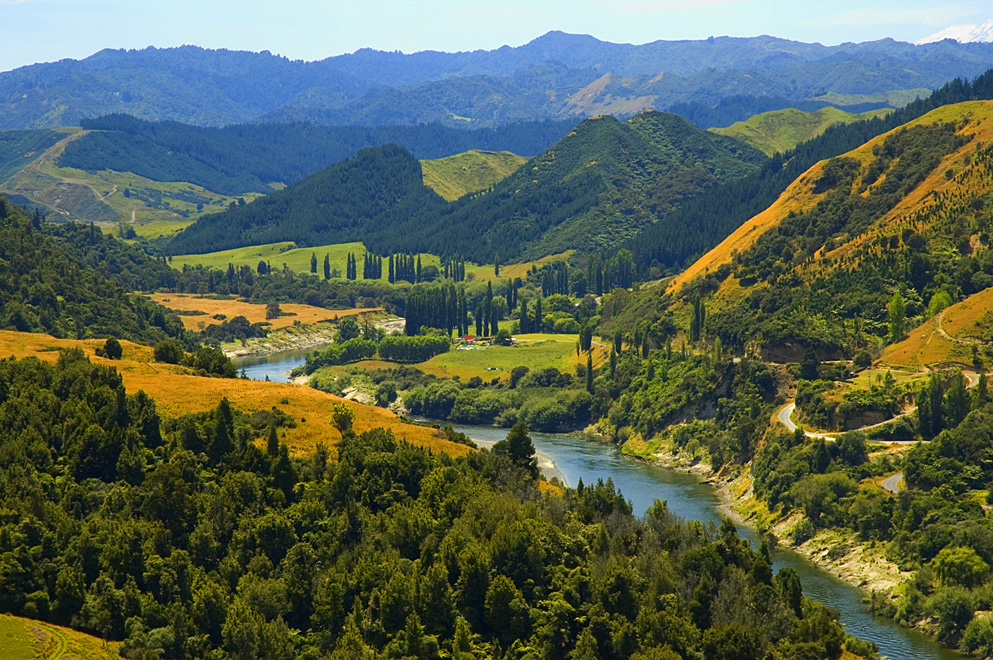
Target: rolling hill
(902,214)
(456,176)
(554,75)
(159,177)
(601,183)
(778,131)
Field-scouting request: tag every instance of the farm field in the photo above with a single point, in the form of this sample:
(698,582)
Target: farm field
(287,253)
(27,639)
(534,351)
(297,259)
(177,392)
(254,312)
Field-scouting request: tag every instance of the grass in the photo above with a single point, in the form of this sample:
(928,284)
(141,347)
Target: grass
(485,273)
(458,175)
(926,346)
(781,130)
(295,258)
(255,313)
(534,351)
(176,392)
(27,639)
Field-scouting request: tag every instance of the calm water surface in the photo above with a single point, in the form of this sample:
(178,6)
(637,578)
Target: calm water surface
(572,458)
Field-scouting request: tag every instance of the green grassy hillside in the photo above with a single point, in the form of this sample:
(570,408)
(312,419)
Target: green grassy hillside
(781,130)
(458,175)
(286,253)
(151,208)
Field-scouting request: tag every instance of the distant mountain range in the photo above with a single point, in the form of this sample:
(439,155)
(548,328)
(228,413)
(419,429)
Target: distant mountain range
(555,76)
(963,34)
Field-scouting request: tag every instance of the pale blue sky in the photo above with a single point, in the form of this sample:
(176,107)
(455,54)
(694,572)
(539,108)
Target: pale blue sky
(49,30)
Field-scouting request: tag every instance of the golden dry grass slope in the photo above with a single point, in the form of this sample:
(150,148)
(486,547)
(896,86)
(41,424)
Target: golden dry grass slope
(177,391)
(27,639)
(956,176)
(947,337)
(254,312)
(461,174)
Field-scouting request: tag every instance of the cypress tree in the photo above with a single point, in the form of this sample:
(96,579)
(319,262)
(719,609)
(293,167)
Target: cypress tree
(272,441)
(525,321)
(327,267)
(613,362)
(392,272)
(479,319)
(539,321)
(313,262)
(589,373)
(418,268)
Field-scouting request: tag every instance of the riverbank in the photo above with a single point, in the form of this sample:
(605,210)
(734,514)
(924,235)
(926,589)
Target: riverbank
(294,338)
(860,564)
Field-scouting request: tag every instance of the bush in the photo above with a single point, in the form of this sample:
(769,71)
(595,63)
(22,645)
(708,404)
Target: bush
(169,351)
(112,349)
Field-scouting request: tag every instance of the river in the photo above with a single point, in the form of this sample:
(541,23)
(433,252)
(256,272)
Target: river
(573,458)
(276,366)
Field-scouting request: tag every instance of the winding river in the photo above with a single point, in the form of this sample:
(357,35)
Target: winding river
(573,458)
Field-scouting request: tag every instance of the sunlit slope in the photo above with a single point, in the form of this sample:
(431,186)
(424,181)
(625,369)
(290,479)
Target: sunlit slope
(458,175)
(947,337)
(177,392)
(779,131)
(28,639)
(947,191)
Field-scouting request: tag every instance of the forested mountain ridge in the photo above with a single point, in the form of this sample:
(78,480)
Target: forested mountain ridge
(221,87)
(901,216)
(378,188)
(704,222)
(601,183)
(44,289)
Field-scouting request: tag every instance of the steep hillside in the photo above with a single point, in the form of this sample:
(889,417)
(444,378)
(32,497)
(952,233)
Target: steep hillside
(553,75)
(958,334)
(458,175)
(905,213)
(779,131)
(378,189)
(600,184)
(702,223)
(43,288)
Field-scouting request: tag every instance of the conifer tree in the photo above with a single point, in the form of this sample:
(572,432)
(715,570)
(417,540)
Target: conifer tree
(327,267)
(313,263)
(589,373)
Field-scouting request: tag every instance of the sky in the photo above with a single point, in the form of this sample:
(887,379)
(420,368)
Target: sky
(50,30)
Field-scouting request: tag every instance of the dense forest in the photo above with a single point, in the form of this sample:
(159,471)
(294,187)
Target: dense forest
(602,182)
(185,539)
(45,289)
(246,158)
